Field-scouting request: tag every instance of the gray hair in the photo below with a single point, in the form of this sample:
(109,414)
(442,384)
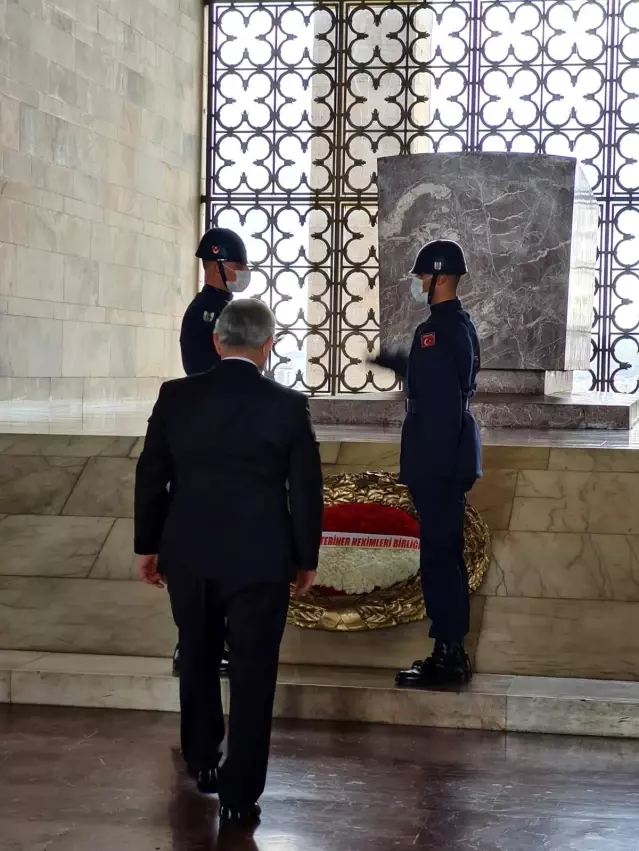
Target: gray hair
(245,324)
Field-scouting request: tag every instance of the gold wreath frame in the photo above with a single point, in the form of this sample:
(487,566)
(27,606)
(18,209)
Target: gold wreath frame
(403,602)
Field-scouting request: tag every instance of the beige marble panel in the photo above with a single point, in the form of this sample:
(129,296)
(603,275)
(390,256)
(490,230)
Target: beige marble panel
(105,682)
(117,559)
(36,485)
(65,446)
(138,446)
(600,460)
(85,616)
(394,648)
(559,638)
(573,707)
(554,501)
(576,717)
(372,456)
(515,457)
(11,660)
(349,695)
(563,565)
(493,497)
(51,546)
(105,489)
(329,451)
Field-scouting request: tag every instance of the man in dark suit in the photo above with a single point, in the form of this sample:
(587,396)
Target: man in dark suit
(242,518)
(224,260)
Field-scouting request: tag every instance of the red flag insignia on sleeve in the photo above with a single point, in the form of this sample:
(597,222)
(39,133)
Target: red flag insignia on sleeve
(428,340)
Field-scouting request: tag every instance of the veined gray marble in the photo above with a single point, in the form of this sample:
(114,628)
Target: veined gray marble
(528,224)
(532,382)
(492,410)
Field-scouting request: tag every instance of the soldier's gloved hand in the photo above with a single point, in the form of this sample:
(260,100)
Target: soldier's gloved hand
(396,360)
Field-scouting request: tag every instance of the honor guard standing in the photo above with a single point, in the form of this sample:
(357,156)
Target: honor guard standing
(223,255)
(440,454)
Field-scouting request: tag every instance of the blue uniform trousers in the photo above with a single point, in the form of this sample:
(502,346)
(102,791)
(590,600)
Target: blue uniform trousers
(441,508)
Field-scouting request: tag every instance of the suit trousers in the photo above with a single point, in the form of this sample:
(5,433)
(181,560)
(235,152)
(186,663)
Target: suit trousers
(252,620)
(441,507)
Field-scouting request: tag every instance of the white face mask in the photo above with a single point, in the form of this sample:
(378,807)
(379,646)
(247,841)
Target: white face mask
(241,282)
(417,291)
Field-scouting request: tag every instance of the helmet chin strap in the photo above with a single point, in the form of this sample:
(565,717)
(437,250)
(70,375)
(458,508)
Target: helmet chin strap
(431,289)
(220,266)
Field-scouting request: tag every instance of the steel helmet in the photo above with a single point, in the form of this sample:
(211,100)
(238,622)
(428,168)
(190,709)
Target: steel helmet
(440,257)
(222,244)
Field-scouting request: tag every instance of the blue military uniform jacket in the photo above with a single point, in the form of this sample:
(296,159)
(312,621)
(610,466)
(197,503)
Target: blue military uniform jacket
(196,338)
(440,438)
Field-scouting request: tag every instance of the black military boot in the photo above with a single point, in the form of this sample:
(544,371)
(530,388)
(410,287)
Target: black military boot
(448,666)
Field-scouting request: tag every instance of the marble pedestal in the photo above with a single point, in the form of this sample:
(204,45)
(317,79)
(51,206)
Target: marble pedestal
(528,225)
(492,410)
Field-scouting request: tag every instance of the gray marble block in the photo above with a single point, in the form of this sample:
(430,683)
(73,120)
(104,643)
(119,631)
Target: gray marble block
(492,410)
(528,225)
(531,382)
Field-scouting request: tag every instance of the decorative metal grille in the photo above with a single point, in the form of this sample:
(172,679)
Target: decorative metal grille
(303,97)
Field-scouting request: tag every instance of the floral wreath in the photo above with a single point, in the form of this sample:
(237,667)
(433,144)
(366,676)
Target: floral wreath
(368,576)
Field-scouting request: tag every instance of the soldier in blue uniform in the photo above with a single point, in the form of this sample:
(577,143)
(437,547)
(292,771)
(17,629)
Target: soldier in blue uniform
(223,255)
(440,455)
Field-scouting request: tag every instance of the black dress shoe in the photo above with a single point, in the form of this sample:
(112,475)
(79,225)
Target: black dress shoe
(245,817)
(448,666)
(176,661)
(206,781)
(224,667)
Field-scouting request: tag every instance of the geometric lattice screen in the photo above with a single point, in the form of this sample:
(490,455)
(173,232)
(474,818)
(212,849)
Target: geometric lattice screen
(304,96)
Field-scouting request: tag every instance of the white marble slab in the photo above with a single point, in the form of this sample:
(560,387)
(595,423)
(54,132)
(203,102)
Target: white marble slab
(12,660)
(117,560)
(37,485)
(105,489)
(128,418)
(523,704)
(573,707)
(570,501)
(85,616)
(559,638)
(51,546)
(563,565)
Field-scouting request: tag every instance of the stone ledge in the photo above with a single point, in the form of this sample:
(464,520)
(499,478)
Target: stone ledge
(522,704)
(562,411)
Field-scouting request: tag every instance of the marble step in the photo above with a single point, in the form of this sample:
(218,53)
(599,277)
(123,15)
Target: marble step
(492,410)
(511,703)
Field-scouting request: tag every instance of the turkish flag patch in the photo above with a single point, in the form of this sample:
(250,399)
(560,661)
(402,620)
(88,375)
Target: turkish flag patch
(428,340)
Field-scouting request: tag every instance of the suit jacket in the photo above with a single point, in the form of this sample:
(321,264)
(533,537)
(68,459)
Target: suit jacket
(229,483)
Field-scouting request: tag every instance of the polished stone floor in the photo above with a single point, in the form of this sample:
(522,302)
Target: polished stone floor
(86,780)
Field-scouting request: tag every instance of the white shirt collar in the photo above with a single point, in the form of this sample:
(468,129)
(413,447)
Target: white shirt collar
(246,360)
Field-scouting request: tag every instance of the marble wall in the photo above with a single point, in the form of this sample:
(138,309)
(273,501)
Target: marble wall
(561,597)
(528,224)
(99,193)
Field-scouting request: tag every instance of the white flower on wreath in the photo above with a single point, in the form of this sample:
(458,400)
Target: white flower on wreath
(360,570)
